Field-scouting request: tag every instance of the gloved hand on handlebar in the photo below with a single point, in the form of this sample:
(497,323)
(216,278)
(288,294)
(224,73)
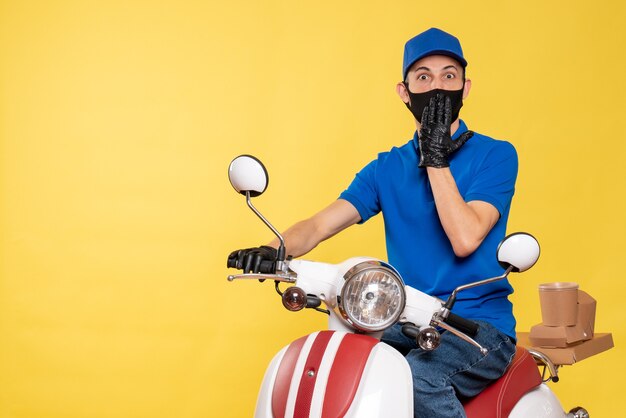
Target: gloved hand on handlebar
(254,260)
(435,141)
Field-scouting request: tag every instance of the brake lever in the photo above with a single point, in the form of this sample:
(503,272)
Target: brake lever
(284,277)
(439,323)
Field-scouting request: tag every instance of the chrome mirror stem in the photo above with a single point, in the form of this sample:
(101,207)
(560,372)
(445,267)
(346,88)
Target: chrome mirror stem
(281,248)
(450,302)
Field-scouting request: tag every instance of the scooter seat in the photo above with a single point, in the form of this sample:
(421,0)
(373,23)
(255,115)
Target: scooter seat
(498,400)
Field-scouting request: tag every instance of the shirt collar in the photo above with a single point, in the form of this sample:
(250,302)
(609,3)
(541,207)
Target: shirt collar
(462,128)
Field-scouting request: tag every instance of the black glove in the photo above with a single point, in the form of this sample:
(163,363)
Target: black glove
(435,141)
(254,260)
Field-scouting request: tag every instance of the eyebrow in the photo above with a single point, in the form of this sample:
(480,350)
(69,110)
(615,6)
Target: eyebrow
(447,67)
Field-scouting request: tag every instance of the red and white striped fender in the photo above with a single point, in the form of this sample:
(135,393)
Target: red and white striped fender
(331,374)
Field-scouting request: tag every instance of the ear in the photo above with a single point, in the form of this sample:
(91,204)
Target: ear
(466,88)
(402,92)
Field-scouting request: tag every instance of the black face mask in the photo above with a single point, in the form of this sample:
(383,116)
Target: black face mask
(420,100)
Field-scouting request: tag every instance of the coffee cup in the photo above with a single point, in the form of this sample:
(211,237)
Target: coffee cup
(559,303)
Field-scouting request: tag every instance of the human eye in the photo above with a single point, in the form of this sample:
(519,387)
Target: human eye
(449,76)
(422,77)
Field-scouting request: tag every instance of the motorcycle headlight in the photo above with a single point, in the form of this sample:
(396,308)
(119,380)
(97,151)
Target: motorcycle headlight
(372,297)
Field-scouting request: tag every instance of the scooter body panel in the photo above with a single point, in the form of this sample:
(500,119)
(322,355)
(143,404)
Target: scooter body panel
(540,403)
(355,376)
(386,388)
(264,400)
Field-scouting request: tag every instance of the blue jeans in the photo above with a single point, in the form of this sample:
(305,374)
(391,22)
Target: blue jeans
(454,371)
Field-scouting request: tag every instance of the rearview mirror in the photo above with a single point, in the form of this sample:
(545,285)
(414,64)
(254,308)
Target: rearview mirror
(519,250)
(247,174)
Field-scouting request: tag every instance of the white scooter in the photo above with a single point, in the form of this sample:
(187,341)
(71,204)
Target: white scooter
(346,371)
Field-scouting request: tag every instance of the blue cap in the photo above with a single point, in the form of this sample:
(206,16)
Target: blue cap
(431,42)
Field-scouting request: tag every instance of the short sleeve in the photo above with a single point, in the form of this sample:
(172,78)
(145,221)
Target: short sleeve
(494,181)
(363,192)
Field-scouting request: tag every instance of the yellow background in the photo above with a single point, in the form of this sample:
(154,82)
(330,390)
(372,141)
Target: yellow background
(119,119)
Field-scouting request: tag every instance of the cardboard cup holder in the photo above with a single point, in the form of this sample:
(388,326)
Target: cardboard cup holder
(568,316)
(567,333)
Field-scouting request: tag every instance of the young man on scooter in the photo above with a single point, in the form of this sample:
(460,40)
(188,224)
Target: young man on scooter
(445,198)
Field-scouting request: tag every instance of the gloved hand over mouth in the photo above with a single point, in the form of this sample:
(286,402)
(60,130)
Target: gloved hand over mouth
(435,142)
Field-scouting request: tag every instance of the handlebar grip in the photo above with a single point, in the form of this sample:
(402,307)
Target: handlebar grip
(464,325)
(267,267)
(410,330)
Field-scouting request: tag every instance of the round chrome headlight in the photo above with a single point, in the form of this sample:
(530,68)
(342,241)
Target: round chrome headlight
(372,297)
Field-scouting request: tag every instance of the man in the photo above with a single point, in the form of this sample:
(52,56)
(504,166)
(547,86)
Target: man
(445,198)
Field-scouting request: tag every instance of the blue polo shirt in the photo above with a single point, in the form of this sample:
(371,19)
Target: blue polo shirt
(484,169)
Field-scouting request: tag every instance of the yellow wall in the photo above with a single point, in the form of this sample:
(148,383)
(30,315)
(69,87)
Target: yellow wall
(118,121)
